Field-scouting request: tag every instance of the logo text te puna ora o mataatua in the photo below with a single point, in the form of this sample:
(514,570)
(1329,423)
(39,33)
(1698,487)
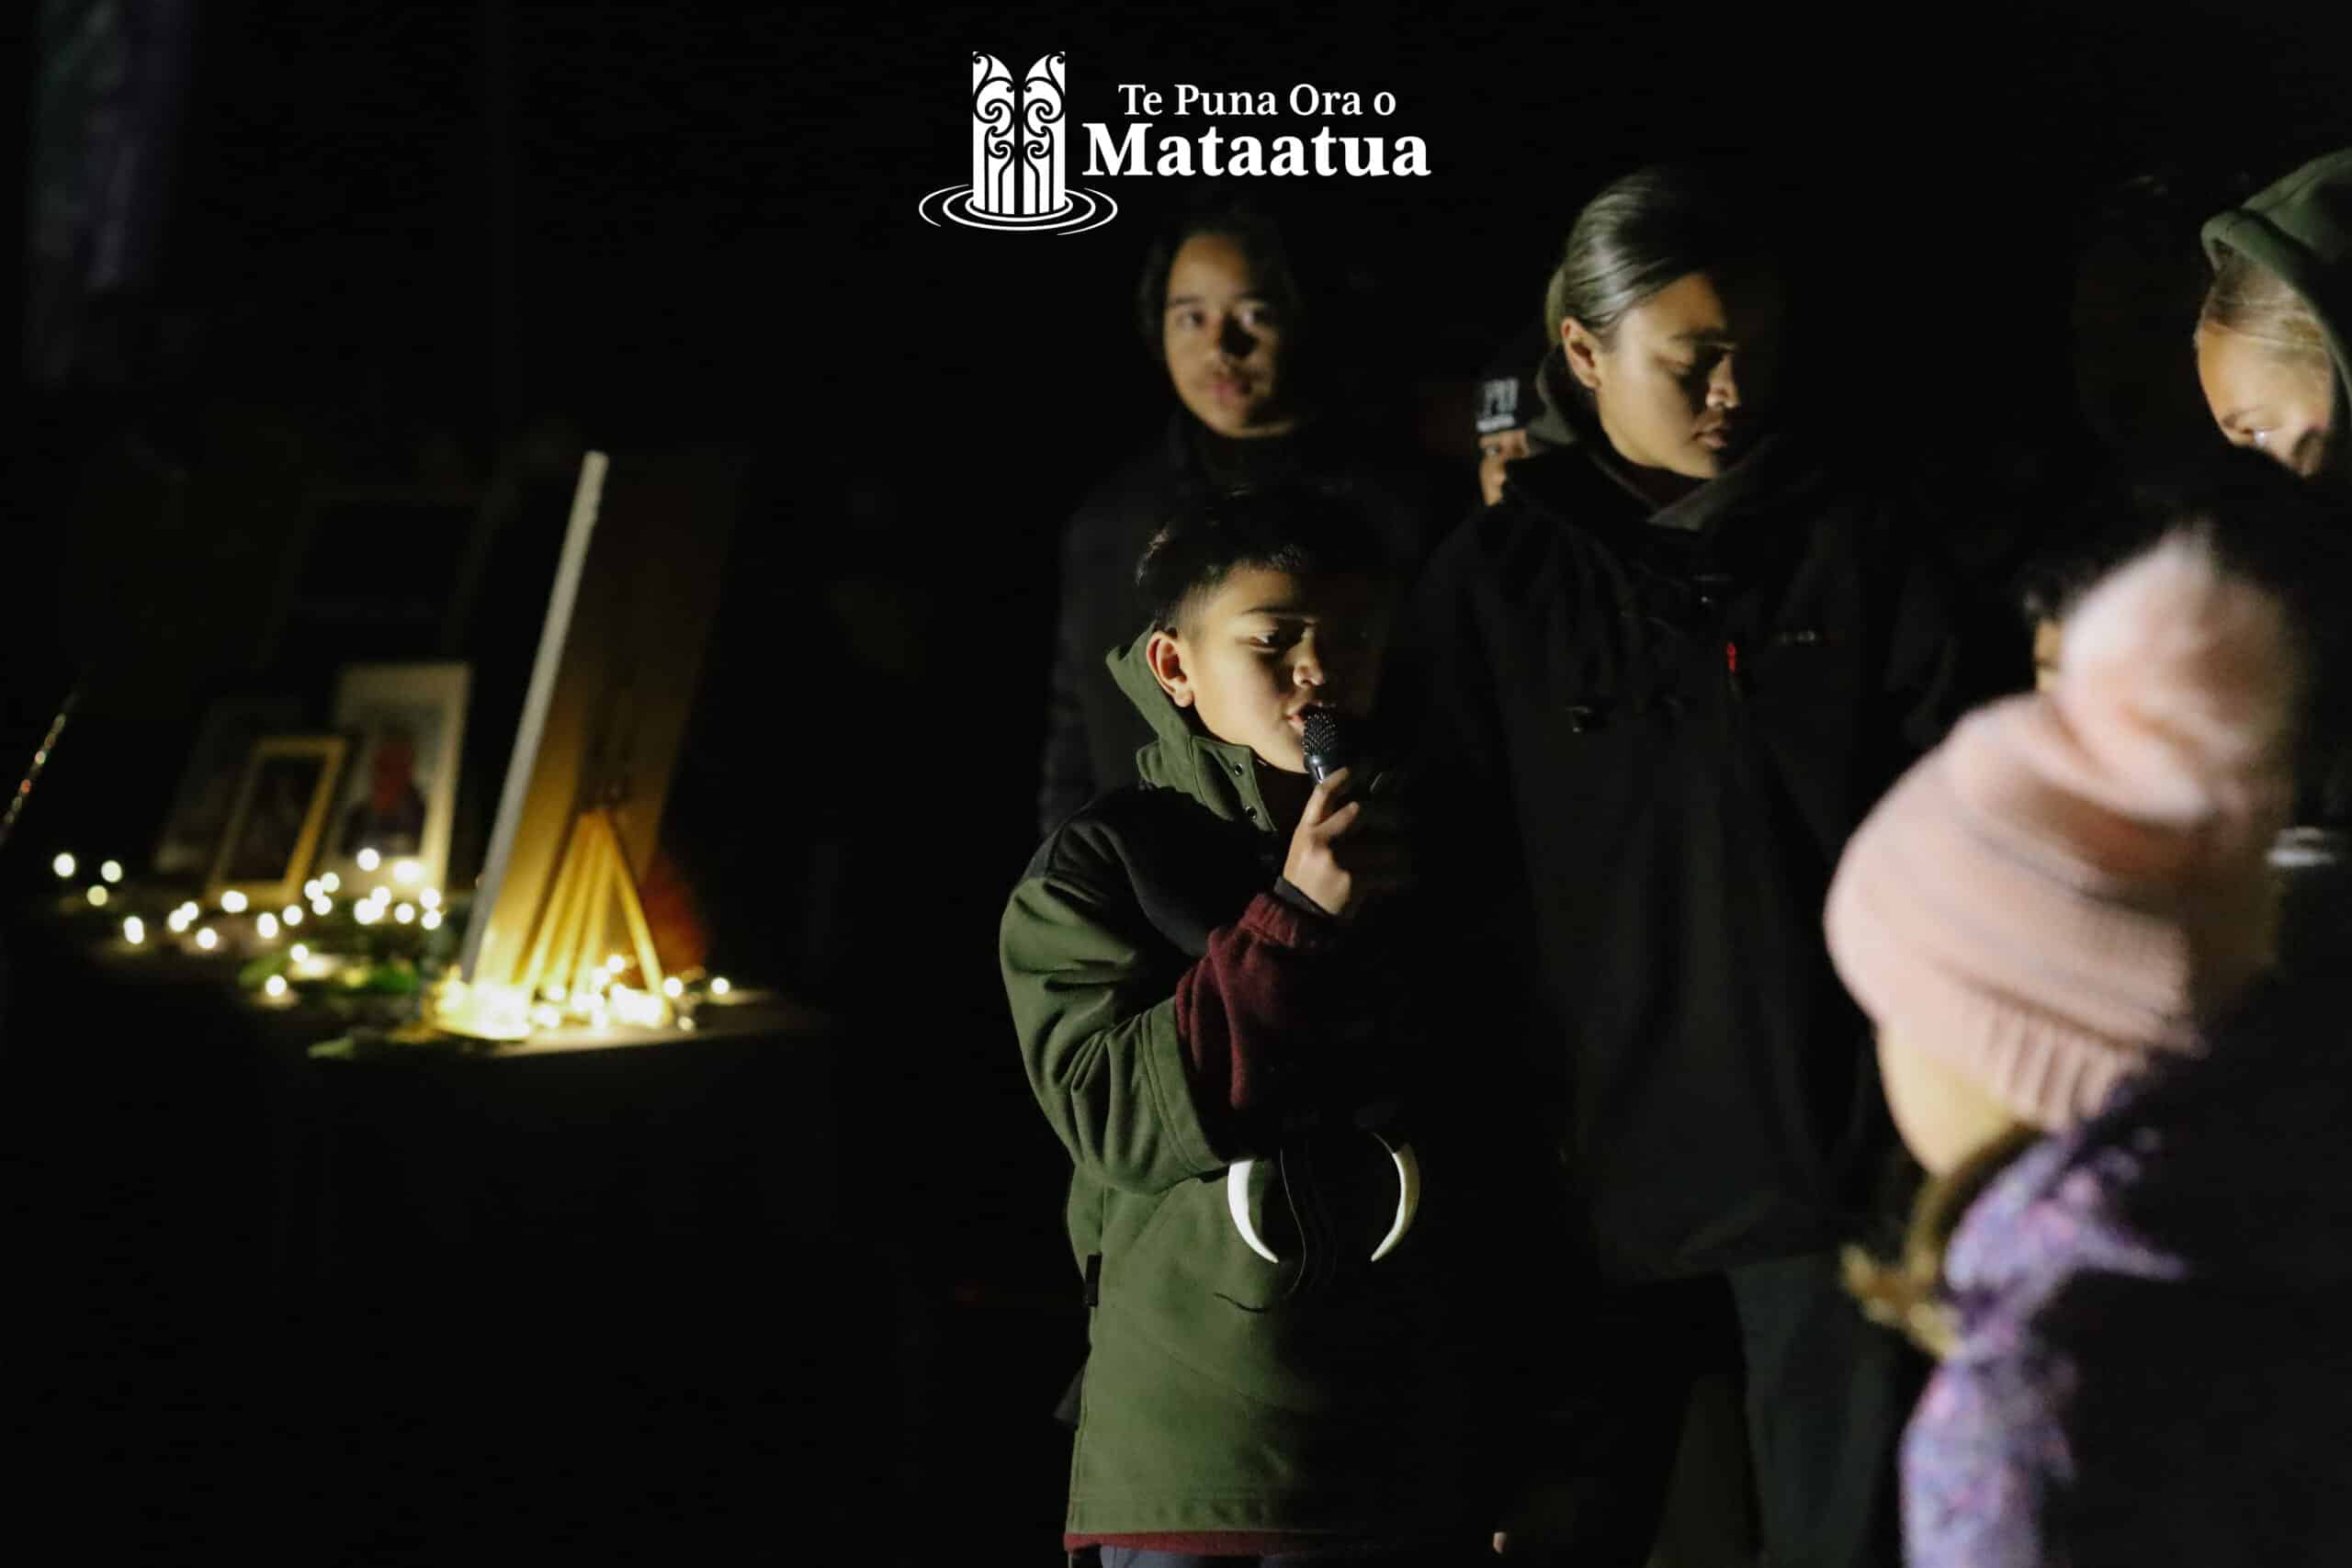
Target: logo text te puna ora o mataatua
(1021,129)
(1141,148)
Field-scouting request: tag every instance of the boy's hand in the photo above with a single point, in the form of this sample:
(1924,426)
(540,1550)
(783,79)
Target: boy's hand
(1345,855)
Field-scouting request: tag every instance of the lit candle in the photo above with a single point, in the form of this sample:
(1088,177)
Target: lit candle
(63,865)
(134,931)
(267,927)
(110,872)
(369,860)
(232,902)
(207,938)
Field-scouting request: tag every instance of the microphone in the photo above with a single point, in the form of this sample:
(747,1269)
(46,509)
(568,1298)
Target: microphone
(1326,752)
(1332,743)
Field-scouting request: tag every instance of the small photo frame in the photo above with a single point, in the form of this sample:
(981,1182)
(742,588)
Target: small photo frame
(279,816)
(406,724)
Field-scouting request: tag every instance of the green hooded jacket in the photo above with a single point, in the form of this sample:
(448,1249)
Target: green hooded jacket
(2300,228)
(1215,1398)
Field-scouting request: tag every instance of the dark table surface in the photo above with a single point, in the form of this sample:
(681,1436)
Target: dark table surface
(791,1286)
(433,1307)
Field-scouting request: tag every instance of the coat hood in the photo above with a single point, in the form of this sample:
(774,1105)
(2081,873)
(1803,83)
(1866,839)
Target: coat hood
(1560,419)
(1220,774)
(1569,447)
(2301,229)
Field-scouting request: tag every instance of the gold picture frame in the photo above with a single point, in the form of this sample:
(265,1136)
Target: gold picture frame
(268,848)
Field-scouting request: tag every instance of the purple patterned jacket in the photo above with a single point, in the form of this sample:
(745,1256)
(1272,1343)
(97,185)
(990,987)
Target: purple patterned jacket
(2155,1310)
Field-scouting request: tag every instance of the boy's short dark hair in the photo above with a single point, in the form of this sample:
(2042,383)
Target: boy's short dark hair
(1306,531)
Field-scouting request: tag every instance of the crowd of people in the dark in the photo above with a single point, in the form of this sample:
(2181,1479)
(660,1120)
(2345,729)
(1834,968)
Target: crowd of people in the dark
(1754,998)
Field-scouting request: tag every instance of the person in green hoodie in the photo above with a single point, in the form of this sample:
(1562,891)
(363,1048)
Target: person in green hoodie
(1199,977)
(2271,339)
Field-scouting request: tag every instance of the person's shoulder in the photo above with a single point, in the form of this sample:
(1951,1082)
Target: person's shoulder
(2084,1200)
(1097,847)
(1547,499)
(1562,485)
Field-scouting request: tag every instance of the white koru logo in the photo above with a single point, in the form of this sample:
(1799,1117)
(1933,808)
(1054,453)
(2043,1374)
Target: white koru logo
(1017,157)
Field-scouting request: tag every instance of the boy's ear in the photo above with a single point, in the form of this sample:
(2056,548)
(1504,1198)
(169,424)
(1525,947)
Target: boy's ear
(1165,656)
(1583,351)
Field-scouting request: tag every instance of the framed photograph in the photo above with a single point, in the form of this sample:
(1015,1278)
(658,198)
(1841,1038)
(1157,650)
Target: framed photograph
(406,724)
(278,818)
(199,819)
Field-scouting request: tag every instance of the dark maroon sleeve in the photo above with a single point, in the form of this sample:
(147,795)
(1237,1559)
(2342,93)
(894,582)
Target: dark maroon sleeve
(1245,1012)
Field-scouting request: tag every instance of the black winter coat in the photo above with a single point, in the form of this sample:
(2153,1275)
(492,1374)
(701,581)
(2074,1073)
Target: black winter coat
(1645,734)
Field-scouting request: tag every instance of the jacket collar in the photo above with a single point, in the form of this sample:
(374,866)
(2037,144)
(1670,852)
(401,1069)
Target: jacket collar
(1220,774)
(1576,476)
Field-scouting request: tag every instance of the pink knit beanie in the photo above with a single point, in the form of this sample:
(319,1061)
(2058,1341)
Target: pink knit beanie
(2075,878)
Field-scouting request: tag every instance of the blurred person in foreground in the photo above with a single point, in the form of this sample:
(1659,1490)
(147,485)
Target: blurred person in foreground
(2132,1252)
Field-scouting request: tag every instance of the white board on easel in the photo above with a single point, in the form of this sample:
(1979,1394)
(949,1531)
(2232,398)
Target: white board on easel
(613,685)
(482,930)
